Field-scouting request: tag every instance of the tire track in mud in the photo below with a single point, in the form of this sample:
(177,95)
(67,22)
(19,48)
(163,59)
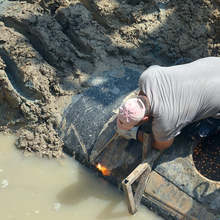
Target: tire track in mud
(67,43)
(70,29)
(46,50)
(47,37)
(95,14)
(24,30)
(86,34)
(7,90)
(13,75)
(25,68)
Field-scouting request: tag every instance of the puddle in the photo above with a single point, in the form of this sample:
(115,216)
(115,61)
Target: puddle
(33,188)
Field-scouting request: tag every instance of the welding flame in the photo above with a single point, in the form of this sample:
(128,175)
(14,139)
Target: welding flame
(105,171)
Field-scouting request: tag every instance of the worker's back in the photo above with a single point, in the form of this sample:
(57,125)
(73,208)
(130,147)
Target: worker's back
(182,94)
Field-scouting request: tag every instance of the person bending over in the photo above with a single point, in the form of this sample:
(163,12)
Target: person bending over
(173,97)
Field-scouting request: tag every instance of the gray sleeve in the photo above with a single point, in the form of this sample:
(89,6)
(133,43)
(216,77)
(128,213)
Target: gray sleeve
(164,130)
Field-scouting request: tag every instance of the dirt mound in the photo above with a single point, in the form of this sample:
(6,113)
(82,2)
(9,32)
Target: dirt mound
(50,48)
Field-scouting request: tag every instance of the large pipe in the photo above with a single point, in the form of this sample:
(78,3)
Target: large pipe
(88,123)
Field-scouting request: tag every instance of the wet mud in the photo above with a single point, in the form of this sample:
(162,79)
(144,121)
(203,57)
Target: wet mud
(54,52)
(50,49)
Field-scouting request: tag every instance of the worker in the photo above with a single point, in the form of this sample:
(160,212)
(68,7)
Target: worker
(173,97)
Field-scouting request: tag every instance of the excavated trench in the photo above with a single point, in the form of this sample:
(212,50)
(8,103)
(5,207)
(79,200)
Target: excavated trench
(65,66)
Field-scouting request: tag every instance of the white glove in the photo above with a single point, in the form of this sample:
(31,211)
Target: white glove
(128,134)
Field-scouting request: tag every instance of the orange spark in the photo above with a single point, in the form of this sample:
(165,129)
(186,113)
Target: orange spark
(103,169)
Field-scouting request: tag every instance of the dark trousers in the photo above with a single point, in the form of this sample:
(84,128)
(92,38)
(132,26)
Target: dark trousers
(203,128)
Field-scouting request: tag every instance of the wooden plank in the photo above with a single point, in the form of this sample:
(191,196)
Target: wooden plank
(136,173)
(142,171)
(141,187)
(129,198)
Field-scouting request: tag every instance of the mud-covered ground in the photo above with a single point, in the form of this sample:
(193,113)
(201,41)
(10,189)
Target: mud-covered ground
(49,49)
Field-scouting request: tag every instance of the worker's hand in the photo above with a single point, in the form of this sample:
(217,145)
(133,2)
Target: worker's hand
(128,134)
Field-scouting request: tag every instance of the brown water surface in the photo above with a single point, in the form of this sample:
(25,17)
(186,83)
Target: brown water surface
(32,188)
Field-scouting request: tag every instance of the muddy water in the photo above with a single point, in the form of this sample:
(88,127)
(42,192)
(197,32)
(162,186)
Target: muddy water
(33,188)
